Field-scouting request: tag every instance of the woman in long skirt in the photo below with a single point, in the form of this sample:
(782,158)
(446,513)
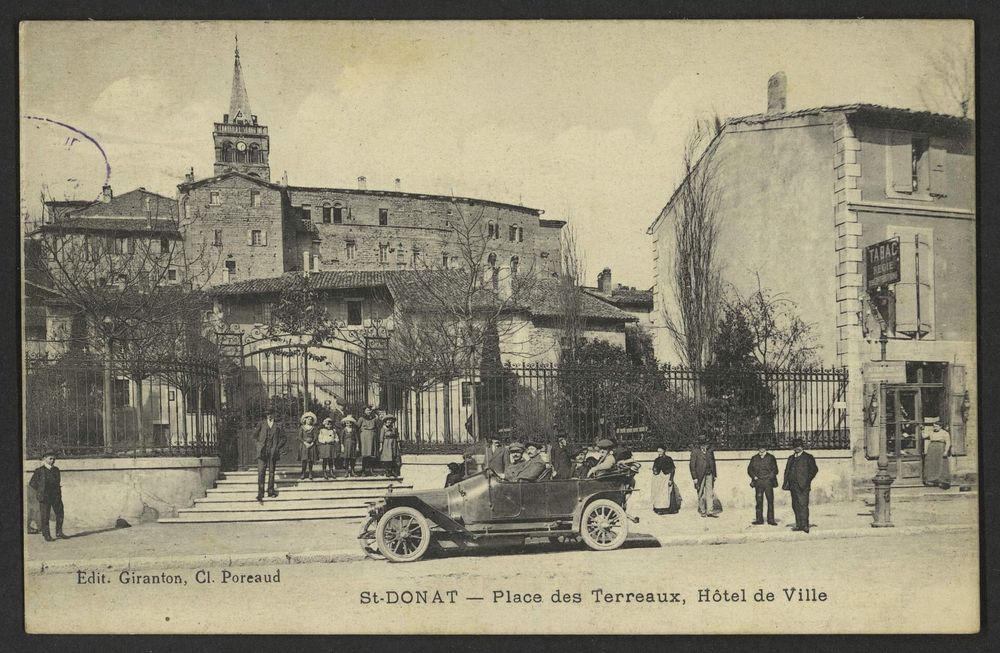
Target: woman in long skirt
(349,440)
(368,426)
(666,498)
(390,455)
(308,451)
(937,448)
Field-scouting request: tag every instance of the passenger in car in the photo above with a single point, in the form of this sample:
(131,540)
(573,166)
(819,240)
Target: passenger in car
(455,474)
(515,461)
(495,456)
(606,460)
(533,466)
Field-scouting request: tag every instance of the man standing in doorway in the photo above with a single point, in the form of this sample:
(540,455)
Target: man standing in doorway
(703,472)
(269,440)
(763,472)
(800,470)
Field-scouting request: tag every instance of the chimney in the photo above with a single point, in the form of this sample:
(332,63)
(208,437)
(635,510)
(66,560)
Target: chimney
(777,93)
(306,263)
(189,176)
(398,185)
(106,194)
(362,183)
(225,117)
(604,281)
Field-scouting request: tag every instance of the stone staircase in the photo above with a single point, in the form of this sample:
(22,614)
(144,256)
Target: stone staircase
(233,499)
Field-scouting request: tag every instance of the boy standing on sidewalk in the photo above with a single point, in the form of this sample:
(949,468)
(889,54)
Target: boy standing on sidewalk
(47,484)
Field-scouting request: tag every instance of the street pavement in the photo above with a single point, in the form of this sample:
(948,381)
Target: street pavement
(154,545)
(907,584)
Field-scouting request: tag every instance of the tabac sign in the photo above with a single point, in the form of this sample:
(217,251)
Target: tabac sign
(882,263)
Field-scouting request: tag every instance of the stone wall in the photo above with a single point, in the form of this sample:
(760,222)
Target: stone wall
(98,491)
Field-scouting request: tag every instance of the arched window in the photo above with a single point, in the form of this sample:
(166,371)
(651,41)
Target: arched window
(255,153)
(496,279)
(512,232)
(520,234)
(491,229)
(515,261)
(492,260)
(228,152)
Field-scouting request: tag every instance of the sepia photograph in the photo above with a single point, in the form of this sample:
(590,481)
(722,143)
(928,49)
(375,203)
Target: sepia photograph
(515,327)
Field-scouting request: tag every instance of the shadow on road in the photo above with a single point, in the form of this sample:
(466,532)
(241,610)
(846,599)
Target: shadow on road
(500,546)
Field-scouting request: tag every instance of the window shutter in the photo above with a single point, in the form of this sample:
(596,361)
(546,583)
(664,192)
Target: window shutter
(900,161)
(956,396)
(249,237)
(873,431)
(937,155)
(263,237)
(906,289)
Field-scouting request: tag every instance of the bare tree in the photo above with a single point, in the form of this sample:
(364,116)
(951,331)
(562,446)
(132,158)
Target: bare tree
(696,278)
(949,85)
(572,271)
(779,338)
(128,295)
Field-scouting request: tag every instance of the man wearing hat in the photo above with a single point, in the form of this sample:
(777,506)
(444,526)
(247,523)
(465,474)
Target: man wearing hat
(46,481)
(763,473)
(800,470)
(531,468)
(269,440)
(562,464)
(703,472)
(495,456)
(515,460)
(605,459)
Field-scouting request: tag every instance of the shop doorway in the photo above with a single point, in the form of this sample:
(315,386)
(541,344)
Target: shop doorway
(906,405)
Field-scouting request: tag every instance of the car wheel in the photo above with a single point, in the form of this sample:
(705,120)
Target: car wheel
(403,535)
(604,525)
(366,537)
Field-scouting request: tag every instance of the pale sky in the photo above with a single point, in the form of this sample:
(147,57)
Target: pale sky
(585,120)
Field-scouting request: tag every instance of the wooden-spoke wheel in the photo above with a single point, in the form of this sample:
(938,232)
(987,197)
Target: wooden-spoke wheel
(403,535)
(604,525)
(368,541)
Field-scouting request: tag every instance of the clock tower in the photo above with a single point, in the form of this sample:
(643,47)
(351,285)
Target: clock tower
(240,143)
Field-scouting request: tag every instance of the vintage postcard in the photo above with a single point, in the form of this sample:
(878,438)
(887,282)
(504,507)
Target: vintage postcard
(515,327)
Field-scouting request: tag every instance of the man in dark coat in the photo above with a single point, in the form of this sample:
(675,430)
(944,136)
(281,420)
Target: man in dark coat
(763,473)
(703,473)
(269,440)
(562,465)
(46,481)
(800,470)
(533,466)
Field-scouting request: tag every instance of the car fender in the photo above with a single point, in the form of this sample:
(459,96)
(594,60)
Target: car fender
(616,495)
(433,515)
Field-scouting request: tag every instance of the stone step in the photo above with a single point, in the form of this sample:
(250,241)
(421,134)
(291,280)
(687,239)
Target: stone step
(252,480)
(307,487)
(260,516)
(294,495)
(272,505)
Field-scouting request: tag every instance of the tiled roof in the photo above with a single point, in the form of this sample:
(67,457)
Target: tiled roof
(625,296)
(132,205)
(409,289)
(331,280)
(166,227)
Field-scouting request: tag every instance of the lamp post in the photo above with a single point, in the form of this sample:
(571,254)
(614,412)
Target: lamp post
(883,485)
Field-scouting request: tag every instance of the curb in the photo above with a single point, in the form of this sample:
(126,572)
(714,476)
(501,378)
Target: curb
(347,555)
(837,533)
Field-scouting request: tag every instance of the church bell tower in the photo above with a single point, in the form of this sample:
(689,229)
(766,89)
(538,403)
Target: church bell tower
(240,143)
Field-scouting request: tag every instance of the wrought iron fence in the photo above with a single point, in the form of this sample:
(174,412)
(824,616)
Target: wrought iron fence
(79,404)
(642,407)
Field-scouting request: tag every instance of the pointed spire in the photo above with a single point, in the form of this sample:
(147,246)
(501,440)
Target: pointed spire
(239,103)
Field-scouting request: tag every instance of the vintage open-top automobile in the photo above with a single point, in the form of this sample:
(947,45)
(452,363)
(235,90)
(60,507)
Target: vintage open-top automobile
(484,506)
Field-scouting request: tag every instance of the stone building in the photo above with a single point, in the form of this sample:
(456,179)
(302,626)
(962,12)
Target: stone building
(263,229)
(801,195)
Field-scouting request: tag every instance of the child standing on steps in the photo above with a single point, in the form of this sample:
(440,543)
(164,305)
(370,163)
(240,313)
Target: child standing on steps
(328,445)
(308,450)
(349,440)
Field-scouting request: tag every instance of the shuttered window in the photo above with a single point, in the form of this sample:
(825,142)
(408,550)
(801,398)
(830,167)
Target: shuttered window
(914,294)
